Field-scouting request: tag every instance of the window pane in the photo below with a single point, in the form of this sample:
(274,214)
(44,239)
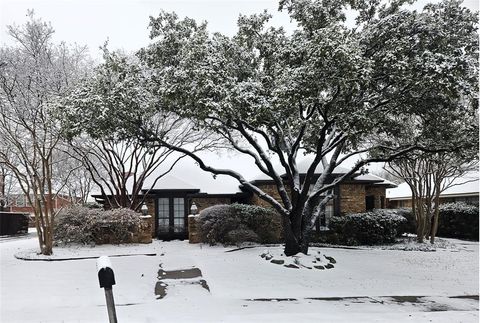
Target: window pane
(178,208)
(163,214)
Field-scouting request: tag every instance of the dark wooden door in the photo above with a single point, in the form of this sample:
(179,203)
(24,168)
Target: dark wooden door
(171,218)
(370,202)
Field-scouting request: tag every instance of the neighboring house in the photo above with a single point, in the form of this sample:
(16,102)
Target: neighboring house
(19,203)
(169,201)
(465,189)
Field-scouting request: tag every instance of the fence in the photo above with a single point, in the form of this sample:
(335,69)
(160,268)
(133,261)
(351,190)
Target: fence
(13,223)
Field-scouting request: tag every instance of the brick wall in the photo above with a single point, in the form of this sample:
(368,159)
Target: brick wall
(204,202)
(270,189)
(352,198)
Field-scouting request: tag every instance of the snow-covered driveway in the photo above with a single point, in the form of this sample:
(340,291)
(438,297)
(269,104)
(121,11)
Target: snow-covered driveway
(364,286)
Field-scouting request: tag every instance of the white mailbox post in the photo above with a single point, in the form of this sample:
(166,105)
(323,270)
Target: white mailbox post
(106,278)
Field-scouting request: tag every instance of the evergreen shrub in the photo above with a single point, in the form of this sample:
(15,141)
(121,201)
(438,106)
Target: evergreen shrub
(237,223)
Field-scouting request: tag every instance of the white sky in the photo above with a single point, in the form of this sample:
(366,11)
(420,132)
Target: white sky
(125,22)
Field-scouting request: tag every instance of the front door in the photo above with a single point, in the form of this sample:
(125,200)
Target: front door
(171,217)
(369,202)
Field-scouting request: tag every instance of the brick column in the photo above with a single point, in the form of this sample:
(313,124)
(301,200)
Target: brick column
(145,236)
(193,236)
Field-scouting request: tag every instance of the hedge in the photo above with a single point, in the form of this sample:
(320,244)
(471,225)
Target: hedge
(369,228)
(237,223)
(458,220)
(455,220)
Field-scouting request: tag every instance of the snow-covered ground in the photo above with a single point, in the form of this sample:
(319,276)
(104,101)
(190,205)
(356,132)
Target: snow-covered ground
(365,285)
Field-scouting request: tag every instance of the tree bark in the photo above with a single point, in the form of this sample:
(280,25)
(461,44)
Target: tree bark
(292,237)
(434,228)
(296,234)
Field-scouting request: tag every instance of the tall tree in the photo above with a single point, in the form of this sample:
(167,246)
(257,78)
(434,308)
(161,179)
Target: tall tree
(34,74)
(336,91)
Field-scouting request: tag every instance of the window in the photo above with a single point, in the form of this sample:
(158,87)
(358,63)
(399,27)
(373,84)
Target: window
(163,214)
(325,217)
(20,200)
(178,214)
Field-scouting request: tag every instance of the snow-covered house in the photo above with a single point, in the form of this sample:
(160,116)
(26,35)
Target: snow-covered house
(170,199)
(462,189)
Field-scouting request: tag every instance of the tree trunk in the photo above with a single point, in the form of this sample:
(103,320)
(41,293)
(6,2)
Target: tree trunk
(292,235)
(292,245)
(420,216)
(296,234)
(434,228)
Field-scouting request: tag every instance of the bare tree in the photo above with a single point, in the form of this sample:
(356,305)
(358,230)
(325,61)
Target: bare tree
(33,76)
(428,176)
(120,166)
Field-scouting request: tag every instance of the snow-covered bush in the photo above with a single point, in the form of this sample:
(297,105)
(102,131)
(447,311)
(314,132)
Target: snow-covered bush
(74,224)
(236,223)
(84,225)
(458,220)
(369,228)
(410,225)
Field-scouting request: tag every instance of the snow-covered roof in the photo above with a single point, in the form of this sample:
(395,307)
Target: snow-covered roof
(187,175)
(305,163)
(169,182)
(377,179)
(463,186)
(302,165)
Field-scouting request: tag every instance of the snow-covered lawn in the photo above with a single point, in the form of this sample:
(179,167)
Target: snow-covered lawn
(365,285)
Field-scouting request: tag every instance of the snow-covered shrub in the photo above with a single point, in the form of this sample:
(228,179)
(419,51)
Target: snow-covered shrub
(242,234)
(265,222)
(74,224)
(236,223)
(117,226)
(410,224)
(458,220)
(84,225)
(369,228)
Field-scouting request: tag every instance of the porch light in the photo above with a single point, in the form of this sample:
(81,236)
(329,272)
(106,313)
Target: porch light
(193,209)
(144,209)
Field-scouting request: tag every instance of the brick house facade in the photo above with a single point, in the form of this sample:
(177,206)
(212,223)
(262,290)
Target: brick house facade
(169,202)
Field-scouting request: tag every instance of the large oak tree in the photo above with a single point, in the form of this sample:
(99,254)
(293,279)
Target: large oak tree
(335,90)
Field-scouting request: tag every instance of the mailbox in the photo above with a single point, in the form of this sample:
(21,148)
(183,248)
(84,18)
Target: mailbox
(106,277)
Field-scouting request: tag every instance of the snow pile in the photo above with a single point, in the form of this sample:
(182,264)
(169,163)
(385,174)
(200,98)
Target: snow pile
(103,262)
(315,260)
(82,252)
(410,244)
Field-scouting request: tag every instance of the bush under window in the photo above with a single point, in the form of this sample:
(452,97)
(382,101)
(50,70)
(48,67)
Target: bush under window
(237,223)
(369,228)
